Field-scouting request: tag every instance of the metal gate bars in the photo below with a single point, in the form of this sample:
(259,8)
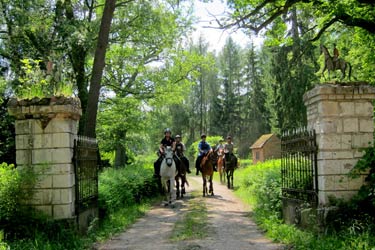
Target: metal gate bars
(85,160)
(299,174)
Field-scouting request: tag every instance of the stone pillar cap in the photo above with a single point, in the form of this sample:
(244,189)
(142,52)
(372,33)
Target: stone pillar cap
(42,108)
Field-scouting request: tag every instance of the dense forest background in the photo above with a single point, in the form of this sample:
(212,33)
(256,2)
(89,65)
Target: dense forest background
(156,77)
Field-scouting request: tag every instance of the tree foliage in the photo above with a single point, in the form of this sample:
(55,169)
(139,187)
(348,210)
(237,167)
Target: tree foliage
(260,14)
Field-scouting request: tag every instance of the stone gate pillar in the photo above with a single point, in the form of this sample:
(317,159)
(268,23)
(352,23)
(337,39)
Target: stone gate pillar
(342,117)
(45,132)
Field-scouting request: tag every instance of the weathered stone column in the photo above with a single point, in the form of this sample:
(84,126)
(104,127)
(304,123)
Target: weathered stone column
(342,117)
(45,132)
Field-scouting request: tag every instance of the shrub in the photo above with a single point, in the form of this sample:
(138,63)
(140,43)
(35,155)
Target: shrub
(125,186)
(15,189)
(263,183)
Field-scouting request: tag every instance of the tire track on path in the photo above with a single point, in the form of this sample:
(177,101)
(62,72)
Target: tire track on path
(229,224)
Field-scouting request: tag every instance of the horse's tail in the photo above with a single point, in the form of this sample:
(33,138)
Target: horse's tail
(350,70)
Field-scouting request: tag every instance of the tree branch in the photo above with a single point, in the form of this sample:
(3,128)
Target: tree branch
(324,28)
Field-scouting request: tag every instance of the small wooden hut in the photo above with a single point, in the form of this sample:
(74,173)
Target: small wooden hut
(267,146)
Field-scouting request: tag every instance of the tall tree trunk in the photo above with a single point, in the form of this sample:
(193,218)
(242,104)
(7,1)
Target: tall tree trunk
(98,67)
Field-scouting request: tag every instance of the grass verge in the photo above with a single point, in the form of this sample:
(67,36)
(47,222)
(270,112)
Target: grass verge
(194,224)
(259,186)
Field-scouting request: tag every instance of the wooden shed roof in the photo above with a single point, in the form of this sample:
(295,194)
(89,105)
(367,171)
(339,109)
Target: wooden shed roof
(261,141)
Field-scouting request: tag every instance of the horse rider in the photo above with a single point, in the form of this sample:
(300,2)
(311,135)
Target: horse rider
(180,149)
(219,147)
(165,142)
(335,55)
(228,150)
(203,149)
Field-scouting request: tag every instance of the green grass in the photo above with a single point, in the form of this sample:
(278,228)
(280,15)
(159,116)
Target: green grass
(125,194)
(193,225)
(259,186)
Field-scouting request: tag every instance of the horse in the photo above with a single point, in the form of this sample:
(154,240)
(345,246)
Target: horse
(207,170)
(229,166)
(331,65)
(168,172)
(220,164)
(181,175)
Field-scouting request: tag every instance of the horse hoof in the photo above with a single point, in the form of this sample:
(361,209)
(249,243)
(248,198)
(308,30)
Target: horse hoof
(212,194)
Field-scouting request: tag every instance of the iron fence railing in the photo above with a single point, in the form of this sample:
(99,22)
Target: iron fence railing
(86,172)
(299,174)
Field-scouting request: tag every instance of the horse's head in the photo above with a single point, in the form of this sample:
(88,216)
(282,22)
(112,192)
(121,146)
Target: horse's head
(324,50)
(168,156)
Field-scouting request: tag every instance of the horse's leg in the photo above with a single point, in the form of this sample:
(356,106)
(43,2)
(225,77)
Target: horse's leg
(211,185)
(231,175)
(343,69)
(172,193)
(177,187)
(324,69)
(228,178)
(183,191)
(204,185)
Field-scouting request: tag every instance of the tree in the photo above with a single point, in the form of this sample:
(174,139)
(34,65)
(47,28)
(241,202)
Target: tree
(258,15)
(231,84)
(293,68)
(255,112)
(97,70)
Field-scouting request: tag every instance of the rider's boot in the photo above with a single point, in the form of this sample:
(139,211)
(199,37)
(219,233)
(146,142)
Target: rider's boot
(186,161)
(188,168)
(197,163)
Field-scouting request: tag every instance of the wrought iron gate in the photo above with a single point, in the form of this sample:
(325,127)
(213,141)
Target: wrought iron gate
(85,160)
(299,173)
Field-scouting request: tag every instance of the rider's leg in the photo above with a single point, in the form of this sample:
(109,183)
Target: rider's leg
(178,163)
(186,162)
(235,160)
(157,165)
(197,164)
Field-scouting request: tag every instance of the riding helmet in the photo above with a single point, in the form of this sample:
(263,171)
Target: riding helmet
(203,135)
(167,130)
(178,136)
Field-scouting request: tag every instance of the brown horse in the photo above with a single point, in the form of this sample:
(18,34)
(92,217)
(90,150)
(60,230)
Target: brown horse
(229,166)
(181,175)
(207,170)
(220,164)
(331,65)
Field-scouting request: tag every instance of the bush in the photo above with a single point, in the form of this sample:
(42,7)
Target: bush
(125,186)
(350,229)
(15,189)
(262,182)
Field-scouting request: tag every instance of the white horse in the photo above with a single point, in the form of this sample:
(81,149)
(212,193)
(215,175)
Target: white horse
(168,172)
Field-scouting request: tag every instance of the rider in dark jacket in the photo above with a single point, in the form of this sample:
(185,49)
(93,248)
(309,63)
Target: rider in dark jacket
(180,148)
(166,141)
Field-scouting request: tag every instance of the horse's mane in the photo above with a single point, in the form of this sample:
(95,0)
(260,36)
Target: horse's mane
(205,158)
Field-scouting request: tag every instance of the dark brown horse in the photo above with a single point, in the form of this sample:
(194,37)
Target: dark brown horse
(207,170)
(230,165)
(181,175)
(331,65)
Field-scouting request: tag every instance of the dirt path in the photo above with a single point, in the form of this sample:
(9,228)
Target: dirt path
(230,228)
